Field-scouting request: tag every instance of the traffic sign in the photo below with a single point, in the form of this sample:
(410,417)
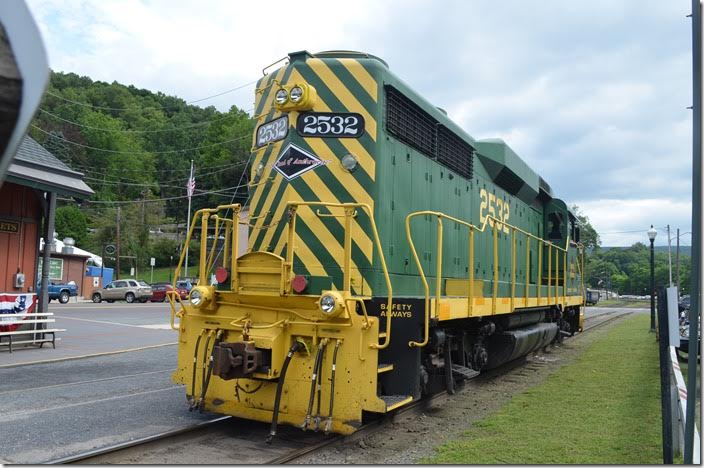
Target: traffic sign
(152,261)
(110,249)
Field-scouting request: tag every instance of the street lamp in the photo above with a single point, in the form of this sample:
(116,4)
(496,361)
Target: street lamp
(651,235)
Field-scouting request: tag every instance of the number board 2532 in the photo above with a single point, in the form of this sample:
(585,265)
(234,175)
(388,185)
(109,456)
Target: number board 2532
(330,125)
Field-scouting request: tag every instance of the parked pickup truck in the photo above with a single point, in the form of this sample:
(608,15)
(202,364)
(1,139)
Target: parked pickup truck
(60,291)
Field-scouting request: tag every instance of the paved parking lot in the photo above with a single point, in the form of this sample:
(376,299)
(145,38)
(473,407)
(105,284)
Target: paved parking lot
(99,328)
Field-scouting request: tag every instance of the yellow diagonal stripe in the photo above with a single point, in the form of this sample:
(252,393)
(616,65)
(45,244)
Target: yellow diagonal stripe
(366,161)
(342,93)
(362,76)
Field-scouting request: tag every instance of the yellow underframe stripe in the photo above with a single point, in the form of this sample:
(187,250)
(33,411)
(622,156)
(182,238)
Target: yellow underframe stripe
(453,308)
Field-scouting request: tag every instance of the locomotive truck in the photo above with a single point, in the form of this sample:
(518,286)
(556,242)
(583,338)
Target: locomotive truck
(390,256)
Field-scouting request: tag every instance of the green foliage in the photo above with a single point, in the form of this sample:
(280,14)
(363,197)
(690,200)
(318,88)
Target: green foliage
(628,270)
(70,221)
(588,235)
(574,417)
(136,145)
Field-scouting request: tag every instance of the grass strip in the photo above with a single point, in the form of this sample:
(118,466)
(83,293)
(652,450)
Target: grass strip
(604,408)
(621,303)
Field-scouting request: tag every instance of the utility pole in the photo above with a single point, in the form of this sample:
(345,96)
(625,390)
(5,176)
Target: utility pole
(189,191)
(695,287)
(677,262)
(669,253)
(117,247)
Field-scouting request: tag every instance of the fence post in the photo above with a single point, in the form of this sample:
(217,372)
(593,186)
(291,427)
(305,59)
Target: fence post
(665,364)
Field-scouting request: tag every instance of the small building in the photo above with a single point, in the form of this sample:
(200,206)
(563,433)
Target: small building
(27,210)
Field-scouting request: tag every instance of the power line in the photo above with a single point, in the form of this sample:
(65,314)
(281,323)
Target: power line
(85,104)
(154,200)
(199,124)
(141,152)
(120,180)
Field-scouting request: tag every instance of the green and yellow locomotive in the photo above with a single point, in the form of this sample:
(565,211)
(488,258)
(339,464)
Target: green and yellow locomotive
(390,255)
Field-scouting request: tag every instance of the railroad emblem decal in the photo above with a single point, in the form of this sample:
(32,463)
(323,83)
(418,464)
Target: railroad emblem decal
(294,161)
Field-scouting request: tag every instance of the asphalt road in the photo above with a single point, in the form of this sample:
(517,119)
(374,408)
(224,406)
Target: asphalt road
(99,328)
(62,408)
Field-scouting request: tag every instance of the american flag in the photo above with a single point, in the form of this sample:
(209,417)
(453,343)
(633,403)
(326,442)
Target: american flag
(190,186)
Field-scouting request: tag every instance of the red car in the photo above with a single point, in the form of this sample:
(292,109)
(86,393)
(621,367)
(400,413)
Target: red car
(159,291)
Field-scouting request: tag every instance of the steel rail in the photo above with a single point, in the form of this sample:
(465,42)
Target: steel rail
(133,443)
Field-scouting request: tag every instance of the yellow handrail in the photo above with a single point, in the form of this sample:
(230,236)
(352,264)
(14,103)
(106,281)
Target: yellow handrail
(494,223)
(349,212)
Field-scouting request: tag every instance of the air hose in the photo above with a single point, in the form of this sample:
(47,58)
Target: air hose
(328,422)
(206,382)
(319,384)
(313,381)
(192,396)
(279,387)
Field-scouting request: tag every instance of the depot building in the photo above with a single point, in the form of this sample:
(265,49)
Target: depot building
(27,209)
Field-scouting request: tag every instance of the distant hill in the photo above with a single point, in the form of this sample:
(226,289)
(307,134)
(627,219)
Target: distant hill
(685,250)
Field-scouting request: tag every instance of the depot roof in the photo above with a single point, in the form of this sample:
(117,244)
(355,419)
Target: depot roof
(36,167)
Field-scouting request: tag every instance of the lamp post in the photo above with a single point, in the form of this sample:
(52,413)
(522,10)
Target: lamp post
(651,235)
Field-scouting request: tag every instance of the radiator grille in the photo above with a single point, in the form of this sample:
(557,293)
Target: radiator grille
(406,121)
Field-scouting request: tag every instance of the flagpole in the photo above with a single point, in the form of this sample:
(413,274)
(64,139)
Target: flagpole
(188,219)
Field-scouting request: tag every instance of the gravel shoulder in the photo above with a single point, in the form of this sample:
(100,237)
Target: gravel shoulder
(413,437)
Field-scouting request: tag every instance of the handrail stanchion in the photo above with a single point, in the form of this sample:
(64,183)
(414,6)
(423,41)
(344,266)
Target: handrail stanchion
(495,289)
(557,276)
(527,273)
(203,248)
(211,255)
(228,238)
(288,264)
(513,267)
(424,280)
(539,284)
(564,279)
(234,281)
(549,273)
(470,267)
(347,280)
(438,269)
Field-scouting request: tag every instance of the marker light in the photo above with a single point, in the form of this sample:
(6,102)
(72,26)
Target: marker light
(349,162)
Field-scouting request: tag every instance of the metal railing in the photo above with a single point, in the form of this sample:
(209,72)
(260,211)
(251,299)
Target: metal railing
(496,225)
(679,401)
(350,211)
(206,259)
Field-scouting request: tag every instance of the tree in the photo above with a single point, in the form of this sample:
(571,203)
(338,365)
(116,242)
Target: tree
(71,222)
(588,235)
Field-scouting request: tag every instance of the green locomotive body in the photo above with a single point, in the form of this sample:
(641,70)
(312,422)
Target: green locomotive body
(376,223)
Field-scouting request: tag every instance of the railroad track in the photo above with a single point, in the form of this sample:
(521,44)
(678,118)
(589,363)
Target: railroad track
(245,439)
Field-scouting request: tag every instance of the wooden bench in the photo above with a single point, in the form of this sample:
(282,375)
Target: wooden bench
(39,334)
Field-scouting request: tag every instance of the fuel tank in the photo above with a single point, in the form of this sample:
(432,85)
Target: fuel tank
(510,344)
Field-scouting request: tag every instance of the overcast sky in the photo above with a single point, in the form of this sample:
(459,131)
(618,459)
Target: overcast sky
(592,95)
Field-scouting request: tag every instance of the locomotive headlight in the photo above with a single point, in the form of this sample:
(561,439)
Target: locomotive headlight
(349,162)
(281,96)
(327,304)
(196,298)
(200,296)
(296,94)
(330,304)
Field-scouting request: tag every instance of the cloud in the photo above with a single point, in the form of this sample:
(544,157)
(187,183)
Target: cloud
(592,95)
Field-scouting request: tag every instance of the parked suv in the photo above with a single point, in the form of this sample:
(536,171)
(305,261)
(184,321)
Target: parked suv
(129,290)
